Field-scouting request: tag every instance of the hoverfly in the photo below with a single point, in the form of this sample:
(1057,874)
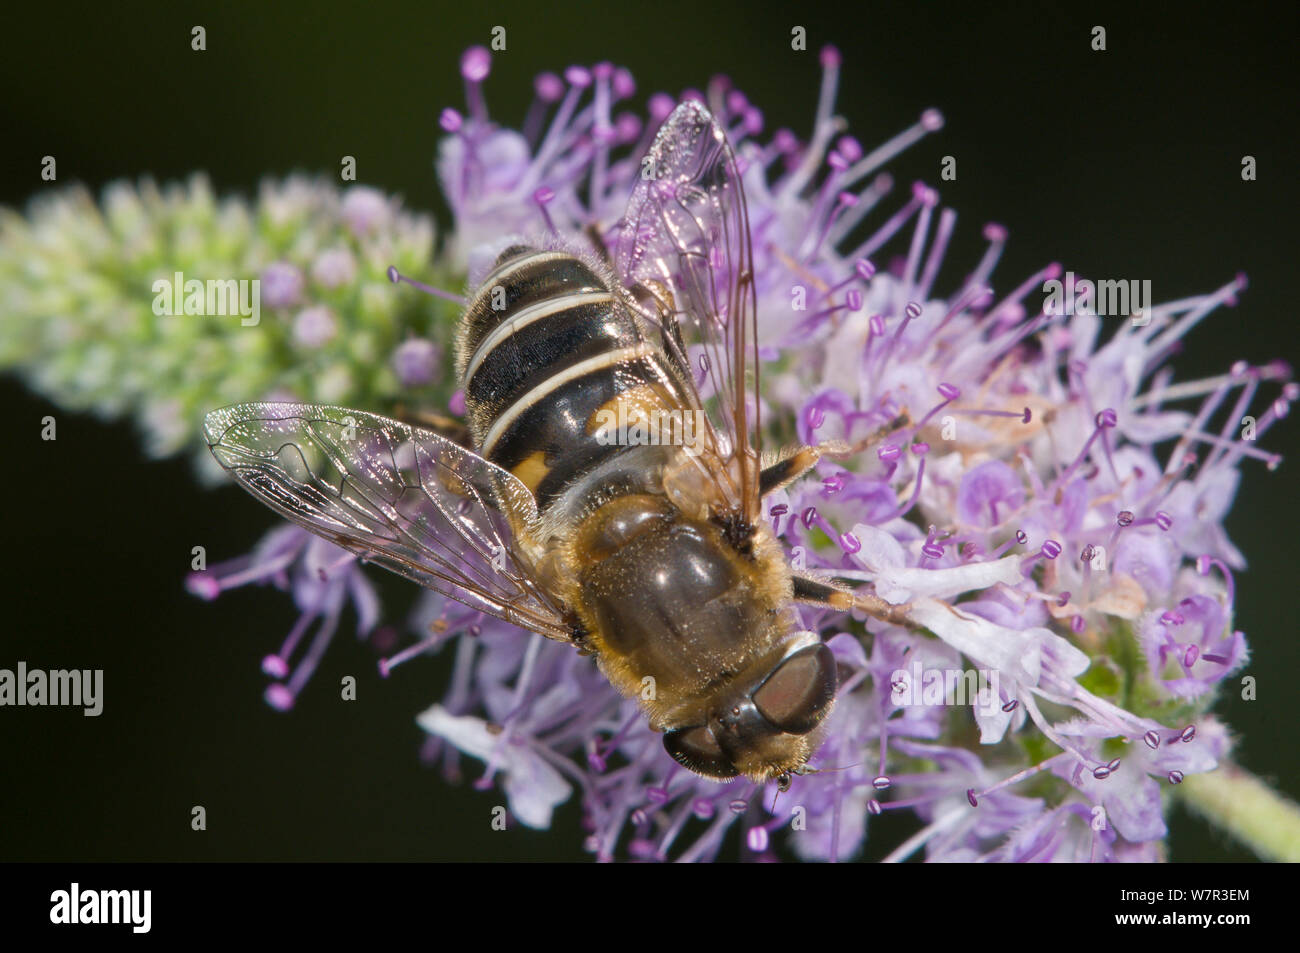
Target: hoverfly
(650,555)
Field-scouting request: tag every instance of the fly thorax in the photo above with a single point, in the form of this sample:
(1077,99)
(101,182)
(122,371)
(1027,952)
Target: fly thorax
(672,604)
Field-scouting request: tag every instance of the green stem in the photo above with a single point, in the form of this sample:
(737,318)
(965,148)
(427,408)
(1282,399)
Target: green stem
(1236,801)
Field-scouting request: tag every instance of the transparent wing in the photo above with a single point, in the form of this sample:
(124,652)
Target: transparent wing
(684,251)
(405,498)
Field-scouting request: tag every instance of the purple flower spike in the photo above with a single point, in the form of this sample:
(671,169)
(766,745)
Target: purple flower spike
(314,327)
(475,64)
(416,362)
(988,494)
(279,697)
(1048,437)
(282,285)
(549,87)
(450,121)
(366,210)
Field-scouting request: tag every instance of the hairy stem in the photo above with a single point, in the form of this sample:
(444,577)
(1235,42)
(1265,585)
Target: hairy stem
(1234,800)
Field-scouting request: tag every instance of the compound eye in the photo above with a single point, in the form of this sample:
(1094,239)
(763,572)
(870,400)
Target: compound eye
(696,748)
(797,695)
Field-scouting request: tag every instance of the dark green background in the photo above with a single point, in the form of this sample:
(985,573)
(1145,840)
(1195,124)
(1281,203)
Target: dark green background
(1124,163)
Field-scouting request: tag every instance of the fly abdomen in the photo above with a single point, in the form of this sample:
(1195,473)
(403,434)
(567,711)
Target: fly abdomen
(546,346)
(540,341)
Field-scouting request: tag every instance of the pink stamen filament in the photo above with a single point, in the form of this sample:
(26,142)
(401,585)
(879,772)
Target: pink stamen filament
(396,276)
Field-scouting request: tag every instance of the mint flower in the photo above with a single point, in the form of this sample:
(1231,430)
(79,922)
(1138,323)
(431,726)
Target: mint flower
(1029,490)
(1051,512)
(80,319)
(321,578)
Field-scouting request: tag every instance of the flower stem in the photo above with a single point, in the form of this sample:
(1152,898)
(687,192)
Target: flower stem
(1236,801)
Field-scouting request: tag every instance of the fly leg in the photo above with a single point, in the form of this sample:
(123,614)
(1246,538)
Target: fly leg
(825,595)
(793,463)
